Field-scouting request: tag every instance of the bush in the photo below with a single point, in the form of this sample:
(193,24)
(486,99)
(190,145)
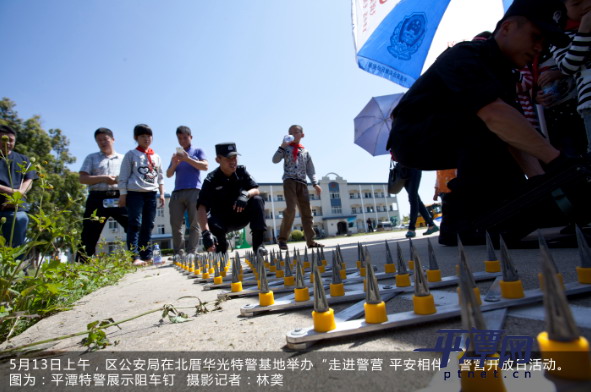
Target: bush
(297,235)
(166,252)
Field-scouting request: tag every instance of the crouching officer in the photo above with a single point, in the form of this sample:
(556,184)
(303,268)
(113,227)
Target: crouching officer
(229,200)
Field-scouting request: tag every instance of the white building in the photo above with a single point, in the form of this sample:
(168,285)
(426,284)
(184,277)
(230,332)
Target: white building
(343,208)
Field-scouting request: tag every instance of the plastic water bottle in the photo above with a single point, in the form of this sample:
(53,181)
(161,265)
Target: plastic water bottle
(157,257)
(288,139)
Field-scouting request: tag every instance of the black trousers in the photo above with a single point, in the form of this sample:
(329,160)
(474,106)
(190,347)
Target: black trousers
(253,214)
(91,229)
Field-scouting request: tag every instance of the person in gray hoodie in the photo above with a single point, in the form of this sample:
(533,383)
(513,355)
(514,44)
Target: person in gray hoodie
(140,179)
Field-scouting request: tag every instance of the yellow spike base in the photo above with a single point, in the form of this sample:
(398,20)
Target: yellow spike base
(266,299)
(402,280)
(240,277)
(424,305)
(267,264)
(324,321)
(476,294)
(558,275)
(492,266)
(272,268)
(198,271)
(324,262)
(301,295)
(358,263)
(226,268)
(218,280)
(411,265)
(258,284)
(223,273)
(288,280)
(211,270)
(321,269)
(584,275)
(337,290)
(282,263)
(457,270)
(390,268)
(311,278)
(205,275)
(236,287)
(363,271)
(489,379)
(306,264)
(343,273)
(572,358)
(434,275)
(375,313)
(279,273)
(512,290)
(365,285)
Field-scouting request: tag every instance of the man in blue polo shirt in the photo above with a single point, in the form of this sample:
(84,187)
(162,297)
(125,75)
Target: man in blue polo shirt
(187,163)
(12,179)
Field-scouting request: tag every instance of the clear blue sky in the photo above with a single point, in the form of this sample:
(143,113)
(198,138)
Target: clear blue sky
(241,71)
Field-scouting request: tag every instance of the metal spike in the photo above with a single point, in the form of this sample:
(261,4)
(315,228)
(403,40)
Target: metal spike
(411,248)
(340,254)
(389,259)
(306,255)
(464,264)
(401,267)
(216,268)
(313,263)
(509,272)
(287,269)
(469,308)
(320,302)
(546,252)
(492,256)
(560,323)
(373,289)
(359,251)
(336,270)
(280,257)
(262,275)
(433,265)
(299,275)
(421,287)
(236,268)
(362,259)
(321,249)
(287,259)
(584,249)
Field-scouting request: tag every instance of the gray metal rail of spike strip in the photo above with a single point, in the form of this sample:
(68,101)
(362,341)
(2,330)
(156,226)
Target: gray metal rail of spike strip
(281,289)
(302,338)
(387,292)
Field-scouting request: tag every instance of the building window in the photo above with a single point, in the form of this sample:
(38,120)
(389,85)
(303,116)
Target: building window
(353,196)
(391,207)
(353,210)
(113,225)
(368,209)
(160,229)
(335,195)
(367,195)
(160,212)
(314,212)
(336,210)
(279,197)
(112,248)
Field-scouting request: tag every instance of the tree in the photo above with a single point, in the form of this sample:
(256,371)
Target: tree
(50,149)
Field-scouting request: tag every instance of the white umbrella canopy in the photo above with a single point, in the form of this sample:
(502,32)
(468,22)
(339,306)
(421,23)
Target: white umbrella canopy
(373,124)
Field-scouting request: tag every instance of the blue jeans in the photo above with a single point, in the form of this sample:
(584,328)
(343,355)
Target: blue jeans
(141,211)
(20,227)
(416,205)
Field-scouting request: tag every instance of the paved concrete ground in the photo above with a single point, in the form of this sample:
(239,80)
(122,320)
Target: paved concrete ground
(225,330)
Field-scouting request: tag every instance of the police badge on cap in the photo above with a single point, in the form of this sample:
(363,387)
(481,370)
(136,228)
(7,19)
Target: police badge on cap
(226,149)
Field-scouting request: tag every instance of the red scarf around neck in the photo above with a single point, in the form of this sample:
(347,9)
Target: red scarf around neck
(148,153)
(572,24)
(296,149)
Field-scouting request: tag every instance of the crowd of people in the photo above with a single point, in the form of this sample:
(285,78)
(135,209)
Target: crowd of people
(471,115)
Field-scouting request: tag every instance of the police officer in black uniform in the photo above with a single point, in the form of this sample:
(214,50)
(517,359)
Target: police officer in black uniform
(462,113)
(229,200)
